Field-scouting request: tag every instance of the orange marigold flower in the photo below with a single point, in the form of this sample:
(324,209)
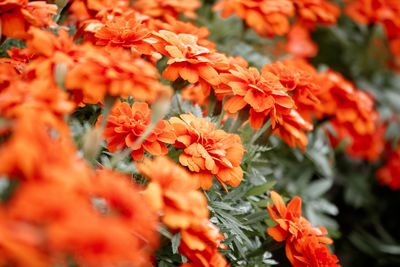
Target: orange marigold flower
(125,125)
(16,16)
(38,139)
(116,73)
(161,8)
(82,10)
(197,93)
(290,130)
(298,77)
(263,93)
(348,104)
(127,31)
(200,245)
(303,241)
(38,94)
(208,151)
(174,191)
(373,11)
(314,254)
(173,25)
(390,173)
(367,146)
(187,59)
(299,42)
(311,12)
(266,17)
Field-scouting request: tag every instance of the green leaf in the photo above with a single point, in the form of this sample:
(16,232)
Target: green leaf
(176,241)
(261,189)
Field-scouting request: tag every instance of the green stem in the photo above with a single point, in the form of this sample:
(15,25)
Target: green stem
(211,104)
(242,116)
(259,132)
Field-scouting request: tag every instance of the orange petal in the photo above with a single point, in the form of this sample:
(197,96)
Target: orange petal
(277,233)
(234,104)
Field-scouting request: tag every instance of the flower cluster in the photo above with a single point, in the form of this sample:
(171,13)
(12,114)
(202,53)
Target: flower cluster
(71,100)
(61,206)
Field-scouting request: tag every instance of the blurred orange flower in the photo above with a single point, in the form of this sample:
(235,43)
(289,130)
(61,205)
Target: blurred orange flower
(16,16)
(390,173)
(125,125)
(115,73)
(174,191)
(304,243)
(367,146)
(200,245)
(208,151)
(266,17)
(311,12)
(161,8)
(299,42)
(51,174)
(173,25)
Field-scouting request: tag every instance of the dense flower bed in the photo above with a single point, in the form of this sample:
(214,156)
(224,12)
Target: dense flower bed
(152,132)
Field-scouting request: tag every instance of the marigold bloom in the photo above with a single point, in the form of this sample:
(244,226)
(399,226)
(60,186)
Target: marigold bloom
(303,241)
(127,30)
(208,151)
(373,11)
(37,138)
(173,190)
(173,25)
(83,10)
(161,8)
(290,130)
(348,104)
(299,42)
(187,59)
(310,12)
(16,16)
(367,146)
(199,244)
(298,77)
(266,17)
(263,92)
(390,173)
(116,73)
(125,125)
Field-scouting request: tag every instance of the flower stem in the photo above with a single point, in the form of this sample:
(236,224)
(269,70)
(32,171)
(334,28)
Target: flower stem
(259,132)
